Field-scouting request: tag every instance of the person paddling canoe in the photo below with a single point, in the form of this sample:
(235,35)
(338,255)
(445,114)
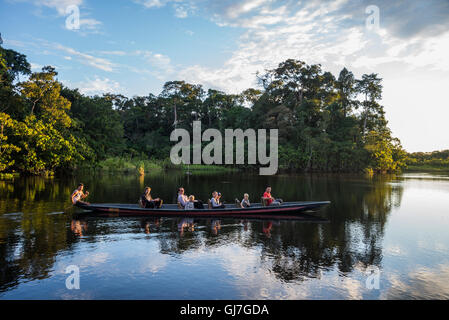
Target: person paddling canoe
(79,195)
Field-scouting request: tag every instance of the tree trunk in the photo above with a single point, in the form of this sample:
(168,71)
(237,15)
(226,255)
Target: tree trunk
(309,160)
(176,117)
(210,120)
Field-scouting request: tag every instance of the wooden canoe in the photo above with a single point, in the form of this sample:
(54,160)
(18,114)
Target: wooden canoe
(287,210)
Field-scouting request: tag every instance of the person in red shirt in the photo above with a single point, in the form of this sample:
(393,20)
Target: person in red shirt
(269,199)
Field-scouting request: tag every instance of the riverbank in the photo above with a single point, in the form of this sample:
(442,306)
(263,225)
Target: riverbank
(141,166)
(7,176)
(426,168)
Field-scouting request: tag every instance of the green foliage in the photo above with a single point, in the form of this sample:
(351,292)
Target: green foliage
(96,121)
(127,164)
(44,148)
(40,139)
(7,176)
(436,160)
(16,64)
(12,66)
(319,127)
(42,92)
(325,123)
(386,153)
(6,149)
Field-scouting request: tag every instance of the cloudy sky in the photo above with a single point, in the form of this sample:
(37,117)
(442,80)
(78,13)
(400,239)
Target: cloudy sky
(133,46)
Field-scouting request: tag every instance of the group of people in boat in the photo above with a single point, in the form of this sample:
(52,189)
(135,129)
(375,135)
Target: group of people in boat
(184,202)
(190,203)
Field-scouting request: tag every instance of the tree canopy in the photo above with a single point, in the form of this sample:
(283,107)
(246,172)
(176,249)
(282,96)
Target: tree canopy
(326,123)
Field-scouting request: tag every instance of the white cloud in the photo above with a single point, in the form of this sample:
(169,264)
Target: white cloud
(90,24)
(315,33)
(99,86)
(151,3)
(181,12)
(159,60)
(160,65)
(36,67)
(99,63)
(156,3)
(240,7)
(86,24)
(59,5)
(114,53)
(15,43)
(181,8)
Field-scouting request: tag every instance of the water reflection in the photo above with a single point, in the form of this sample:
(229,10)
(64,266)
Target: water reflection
(33,239)
(78,227)
(423,283)
(267,228)
(215,226)
(148,224)
(188,224)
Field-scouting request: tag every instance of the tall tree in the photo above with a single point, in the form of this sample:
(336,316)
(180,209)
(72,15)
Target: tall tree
(12,66)
(346,86)
(42,91)
(44,137)
(370,86)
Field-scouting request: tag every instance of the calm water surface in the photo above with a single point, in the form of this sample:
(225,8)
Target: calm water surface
(394,229)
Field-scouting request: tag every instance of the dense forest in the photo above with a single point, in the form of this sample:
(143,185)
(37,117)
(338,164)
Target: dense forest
(326,123)
(436,160)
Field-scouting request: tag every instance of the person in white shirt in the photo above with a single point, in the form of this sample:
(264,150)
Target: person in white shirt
(182,198)
(245,202)
(79,195)
(190,205)
(215,201)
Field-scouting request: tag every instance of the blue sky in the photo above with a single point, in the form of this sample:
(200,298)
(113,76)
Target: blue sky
(133,46)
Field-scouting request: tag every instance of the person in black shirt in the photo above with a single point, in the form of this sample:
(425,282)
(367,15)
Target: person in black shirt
(148,201)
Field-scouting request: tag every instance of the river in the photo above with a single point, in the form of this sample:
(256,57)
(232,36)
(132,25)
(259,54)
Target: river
(380,238)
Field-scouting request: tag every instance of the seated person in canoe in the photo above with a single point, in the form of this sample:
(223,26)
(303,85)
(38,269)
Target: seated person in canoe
(183,200)
(245,202)
(147,201)
(215,201)
(79,195)
(190,205)
(269,200)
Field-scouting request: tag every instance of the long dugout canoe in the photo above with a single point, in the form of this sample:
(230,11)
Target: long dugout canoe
(287,210)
